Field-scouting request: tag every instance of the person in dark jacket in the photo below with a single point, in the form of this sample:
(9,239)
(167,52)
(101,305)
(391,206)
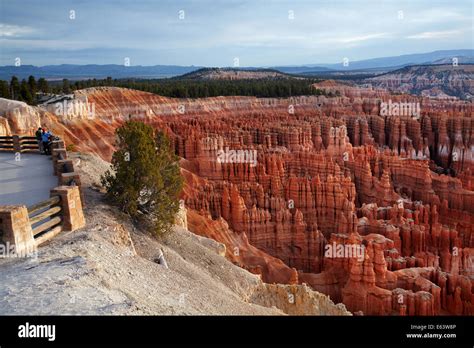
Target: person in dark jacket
(39,139)
(46,141)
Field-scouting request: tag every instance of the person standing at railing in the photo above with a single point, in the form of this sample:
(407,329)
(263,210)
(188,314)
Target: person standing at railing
(46,141)
(39,139)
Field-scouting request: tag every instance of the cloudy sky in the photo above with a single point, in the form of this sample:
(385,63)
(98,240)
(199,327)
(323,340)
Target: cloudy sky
(216,32)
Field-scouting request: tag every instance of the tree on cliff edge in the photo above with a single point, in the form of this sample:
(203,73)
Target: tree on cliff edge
(146,179)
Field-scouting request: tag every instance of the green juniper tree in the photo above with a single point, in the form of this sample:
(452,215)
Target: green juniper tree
(146,179)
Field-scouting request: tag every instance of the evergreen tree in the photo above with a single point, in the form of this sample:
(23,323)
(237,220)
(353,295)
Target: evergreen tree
(32,86)
(4,90)
(43,85)
(25,93)
(66,87)
(190,88)
(146,180)
(15,88)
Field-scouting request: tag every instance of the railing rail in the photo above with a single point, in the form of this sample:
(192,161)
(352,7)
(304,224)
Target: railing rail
(16,143)
(44,215)
(33,209)
(45,219)
(6,143)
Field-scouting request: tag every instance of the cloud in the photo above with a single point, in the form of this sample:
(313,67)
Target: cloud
(7,30)
(438,15)
(361,38)
(435,34)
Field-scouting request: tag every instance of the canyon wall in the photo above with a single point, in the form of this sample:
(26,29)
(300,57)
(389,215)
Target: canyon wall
(283,181)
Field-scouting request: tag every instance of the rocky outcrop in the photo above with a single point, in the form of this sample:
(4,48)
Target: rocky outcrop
(296,300)
(18,117)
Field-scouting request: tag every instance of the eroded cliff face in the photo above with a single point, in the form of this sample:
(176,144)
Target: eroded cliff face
(19,117)
(447,81)
(283,181)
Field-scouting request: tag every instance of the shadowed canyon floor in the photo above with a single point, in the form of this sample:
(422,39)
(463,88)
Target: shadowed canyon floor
(328,172)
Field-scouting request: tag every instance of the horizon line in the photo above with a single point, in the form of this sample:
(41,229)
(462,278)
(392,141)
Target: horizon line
(311,65)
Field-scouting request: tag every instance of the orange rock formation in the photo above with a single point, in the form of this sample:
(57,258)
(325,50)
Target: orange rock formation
(328,171)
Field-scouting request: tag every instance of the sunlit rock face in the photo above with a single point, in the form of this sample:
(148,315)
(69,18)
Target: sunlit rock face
(282,181)
(18,117)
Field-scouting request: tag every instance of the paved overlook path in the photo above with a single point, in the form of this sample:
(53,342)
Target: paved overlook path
(26,181)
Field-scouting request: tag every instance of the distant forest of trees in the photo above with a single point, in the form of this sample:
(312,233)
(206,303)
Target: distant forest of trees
(26,90)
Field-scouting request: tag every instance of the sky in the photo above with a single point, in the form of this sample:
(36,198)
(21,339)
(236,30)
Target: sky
(228,32)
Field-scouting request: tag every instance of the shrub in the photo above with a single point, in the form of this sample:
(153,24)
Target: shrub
(146,179)
(71,148)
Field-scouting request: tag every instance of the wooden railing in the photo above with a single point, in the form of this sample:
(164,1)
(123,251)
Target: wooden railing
(29,144)
(16,143)
(45,219)
(6,143)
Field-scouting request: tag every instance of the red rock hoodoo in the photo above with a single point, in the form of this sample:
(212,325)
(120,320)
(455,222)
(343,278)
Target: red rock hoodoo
(283,181)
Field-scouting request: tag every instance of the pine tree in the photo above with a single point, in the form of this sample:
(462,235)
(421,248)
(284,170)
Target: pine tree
(146,182)
(66,86)
(15,88)
(25,93)
(32,85)
(4,90)
(43,85)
